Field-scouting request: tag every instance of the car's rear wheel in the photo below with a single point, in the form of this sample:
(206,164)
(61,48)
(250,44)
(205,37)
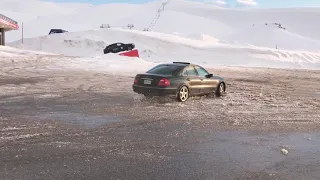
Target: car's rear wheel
(183,94)
(148,96)
(220,89)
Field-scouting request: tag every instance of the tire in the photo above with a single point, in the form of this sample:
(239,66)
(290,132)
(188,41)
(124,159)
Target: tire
(220,89)
(183,94)
(147,96)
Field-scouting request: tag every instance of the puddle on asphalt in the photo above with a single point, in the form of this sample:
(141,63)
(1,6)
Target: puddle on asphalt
(88,121)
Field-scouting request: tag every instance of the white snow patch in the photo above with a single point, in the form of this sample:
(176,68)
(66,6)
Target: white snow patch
(6,51)
(284,151)
(49,96)
(110,63)
(24,136)
(11,129)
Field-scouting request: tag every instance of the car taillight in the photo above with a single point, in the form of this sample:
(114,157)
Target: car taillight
(164,82)
(135,81)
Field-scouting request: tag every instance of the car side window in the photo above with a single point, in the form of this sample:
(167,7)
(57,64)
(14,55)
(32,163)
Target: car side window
(201,71)
(112,46)
(190,71)
(116,50)
(184,73)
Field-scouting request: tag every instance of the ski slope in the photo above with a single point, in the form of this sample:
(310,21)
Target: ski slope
(182,16)
(185,31)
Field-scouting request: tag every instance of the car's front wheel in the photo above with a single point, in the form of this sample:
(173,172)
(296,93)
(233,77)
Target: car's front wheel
(183,94)
(220,89)
(148,96)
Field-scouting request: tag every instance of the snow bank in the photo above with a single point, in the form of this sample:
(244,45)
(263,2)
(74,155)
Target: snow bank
(6,51)
(111,64)
(161,47)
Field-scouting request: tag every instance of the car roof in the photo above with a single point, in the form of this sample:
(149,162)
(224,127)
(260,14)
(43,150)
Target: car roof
(184,64)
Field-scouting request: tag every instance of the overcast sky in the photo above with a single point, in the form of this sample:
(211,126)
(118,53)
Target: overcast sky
(229,3)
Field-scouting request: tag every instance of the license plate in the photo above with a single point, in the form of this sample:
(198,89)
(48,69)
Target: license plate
(147,82)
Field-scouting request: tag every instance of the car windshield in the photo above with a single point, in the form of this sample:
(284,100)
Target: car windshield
(164,69)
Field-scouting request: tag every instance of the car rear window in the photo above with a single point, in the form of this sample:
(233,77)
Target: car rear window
(164,69)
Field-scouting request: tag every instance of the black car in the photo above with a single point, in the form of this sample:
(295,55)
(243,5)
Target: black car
(118,47)
(55,31)
(180,79)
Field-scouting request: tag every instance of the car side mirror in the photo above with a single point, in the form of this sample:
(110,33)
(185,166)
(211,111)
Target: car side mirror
(209,76)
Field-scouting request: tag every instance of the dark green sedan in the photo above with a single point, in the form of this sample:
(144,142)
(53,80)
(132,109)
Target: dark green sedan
(179,79)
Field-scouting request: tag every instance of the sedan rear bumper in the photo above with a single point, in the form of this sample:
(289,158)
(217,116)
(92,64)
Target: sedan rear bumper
(154,91)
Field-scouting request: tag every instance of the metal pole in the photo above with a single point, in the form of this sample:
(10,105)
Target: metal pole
(3,36)
(22,33)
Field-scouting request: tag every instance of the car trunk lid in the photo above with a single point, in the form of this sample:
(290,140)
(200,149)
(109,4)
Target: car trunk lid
(149,80)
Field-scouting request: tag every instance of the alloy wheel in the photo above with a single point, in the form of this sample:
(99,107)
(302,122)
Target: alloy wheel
(183,94)
(221,88)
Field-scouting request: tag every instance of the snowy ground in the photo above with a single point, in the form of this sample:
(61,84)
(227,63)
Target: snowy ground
(256,96)
(56,122)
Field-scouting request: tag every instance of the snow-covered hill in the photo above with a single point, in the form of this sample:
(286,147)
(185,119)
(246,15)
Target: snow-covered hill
(185,30)
(181,16)
(273,37)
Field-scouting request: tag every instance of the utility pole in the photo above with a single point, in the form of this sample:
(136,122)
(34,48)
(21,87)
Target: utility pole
(130,26)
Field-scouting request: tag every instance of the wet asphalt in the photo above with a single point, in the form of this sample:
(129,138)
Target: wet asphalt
(83,136)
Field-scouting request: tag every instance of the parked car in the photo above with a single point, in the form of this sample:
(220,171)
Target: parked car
(118,47)
(55,31)
(179,79)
